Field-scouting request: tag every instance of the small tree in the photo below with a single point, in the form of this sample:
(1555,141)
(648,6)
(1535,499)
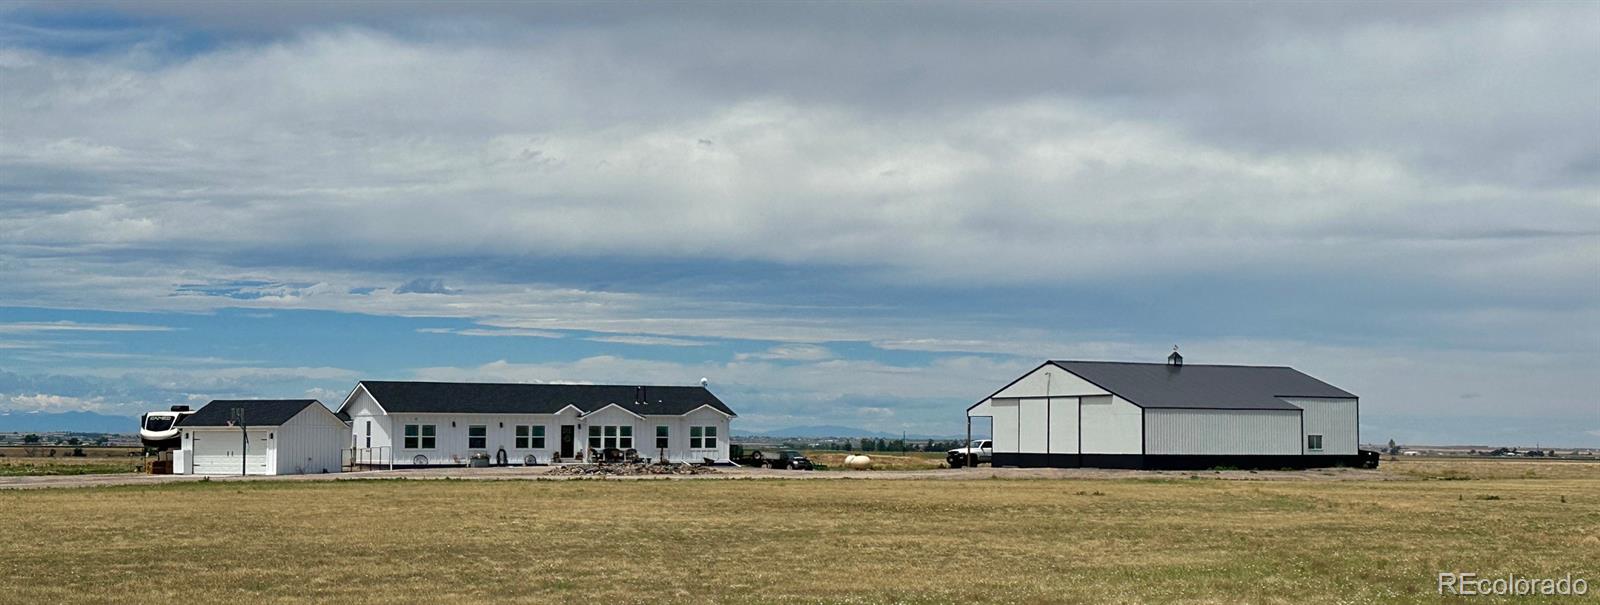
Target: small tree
(74,441)
(1393,449)
(30,438)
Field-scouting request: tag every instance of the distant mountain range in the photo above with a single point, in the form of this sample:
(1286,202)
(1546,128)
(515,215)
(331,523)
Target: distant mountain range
(67,422)
(844,432)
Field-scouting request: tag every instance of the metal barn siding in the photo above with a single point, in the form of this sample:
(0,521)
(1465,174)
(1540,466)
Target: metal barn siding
(1334,419)
(311,442)
(1111,425)
(1004,418)
(1049,381)
(1222,432)
(1063,425)
(1033,425)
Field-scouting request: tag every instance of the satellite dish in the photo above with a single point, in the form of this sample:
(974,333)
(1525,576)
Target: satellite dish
(704,381)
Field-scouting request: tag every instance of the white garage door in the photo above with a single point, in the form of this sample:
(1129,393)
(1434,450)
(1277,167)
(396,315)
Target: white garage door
(223,452)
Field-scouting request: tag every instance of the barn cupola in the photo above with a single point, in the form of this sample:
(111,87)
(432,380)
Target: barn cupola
(1175,360)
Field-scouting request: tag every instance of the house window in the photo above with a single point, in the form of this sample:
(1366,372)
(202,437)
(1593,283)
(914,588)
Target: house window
(419,436)
(613,436)
(530,437)
(369,434)
(1314,443)
(661,436)
(477,437)
(702,437)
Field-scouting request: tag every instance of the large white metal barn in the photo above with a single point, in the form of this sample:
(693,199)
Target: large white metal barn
(1171,416)
(260,437)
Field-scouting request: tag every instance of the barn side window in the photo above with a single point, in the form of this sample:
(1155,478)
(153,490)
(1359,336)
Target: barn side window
(477,437)
(1314,443)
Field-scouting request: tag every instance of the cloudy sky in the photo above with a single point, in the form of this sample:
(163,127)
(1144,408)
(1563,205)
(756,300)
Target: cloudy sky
(859,214)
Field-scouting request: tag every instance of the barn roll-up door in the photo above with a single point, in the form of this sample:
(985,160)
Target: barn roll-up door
(223,452)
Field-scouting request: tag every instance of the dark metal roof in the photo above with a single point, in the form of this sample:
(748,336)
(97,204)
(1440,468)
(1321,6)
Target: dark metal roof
(1159,385)
(492,398)
(257,412)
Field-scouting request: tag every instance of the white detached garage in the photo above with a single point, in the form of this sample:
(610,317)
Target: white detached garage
(260,437)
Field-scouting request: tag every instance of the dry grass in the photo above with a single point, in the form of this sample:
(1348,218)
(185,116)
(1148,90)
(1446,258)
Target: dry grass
(68,465)
(1492,468)
(884,461)
(790,541)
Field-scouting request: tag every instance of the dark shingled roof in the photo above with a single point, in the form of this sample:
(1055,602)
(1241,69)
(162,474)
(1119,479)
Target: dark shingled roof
(257,412)
(1159,385)
(493,398)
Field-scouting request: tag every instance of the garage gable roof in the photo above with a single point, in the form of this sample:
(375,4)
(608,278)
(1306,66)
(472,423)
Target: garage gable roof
(1160,385)
(257,412)
(398,397)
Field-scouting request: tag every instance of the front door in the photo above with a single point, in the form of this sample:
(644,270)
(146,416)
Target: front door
(568,436)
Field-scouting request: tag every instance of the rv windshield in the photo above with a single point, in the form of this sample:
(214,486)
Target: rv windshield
(158,423)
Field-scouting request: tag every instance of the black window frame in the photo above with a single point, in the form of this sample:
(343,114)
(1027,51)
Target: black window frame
(530,436)
(663,436)
(1314,448)
(420,437)
(478,442)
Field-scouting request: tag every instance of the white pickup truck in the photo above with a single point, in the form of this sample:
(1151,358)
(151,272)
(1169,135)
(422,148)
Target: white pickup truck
(978,452)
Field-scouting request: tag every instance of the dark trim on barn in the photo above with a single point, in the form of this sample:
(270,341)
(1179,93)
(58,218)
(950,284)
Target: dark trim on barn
(1173,461)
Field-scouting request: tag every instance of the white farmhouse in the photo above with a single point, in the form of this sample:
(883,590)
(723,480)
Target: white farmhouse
(1171,416)
(260,437)
(446,423)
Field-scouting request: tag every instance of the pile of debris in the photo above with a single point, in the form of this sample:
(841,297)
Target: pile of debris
(631,470)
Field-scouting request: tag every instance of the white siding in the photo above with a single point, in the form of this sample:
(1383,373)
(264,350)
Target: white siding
(1334,419)
(367,418)
(1033,425)
(310,442)
(451,441)
(1064,425)
(1004,412)
(1111,425)
(1049,381)
(1235,432)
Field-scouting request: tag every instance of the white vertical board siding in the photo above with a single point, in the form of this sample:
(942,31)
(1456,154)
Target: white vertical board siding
(1004,414)
(1050,381)
(1064,425)
(1111,425)
(362,410)
(1233,432)
(1334,419)
(1033,425)
(310,442)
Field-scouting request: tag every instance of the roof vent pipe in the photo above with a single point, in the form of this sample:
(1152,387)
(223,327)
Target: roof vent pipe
(1175,360)
(638,394)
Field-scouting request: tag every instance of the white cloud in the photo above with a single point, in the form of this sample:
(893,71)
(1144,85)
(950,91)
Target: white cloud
(43,402)
(646,340)
(791,352)
(492,332)
(72,326)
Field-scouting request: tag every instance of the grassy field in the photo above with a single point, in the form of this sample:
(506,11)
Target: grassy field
(846,540)
(16,461)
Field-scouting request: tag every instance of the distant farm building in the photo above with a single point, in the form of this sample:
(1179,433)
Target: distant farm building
(260,437)
(1171,416)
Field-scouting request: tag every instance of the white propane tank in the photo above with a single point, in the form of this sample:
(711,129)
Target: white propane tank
(857,462)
